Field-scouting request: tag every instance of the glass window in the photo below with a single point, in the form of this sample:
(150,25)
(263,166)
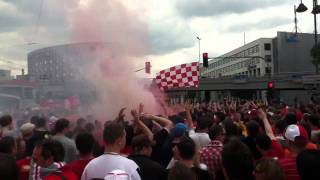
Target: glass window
(267,46)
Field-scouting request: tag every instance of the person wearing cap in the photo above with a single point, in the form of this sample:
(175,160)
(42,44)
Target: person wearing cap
(297,139)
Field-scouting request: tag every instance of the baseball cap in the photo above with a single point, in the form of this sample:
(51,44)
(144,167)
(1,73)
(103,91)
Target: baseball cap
(27,128)
(179,129)
(294,131)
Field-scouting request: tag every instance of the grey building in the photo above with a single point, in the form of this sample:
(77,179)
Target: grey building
(287,53)
(60,70)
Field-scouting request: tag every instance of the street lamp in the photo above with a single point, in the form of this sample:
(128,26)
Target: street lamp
(316,10)
(199,48)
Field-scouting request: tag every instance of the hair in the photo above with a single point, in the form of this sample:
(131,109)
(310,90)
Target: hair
(187,148)
(221,116)
(291,119)
(269,169)
(231,128)
(237,160)
(215,131)
(34,119)
(52,148)
(308,163)
(60,125)
(281,126)
(253,128)
(5,120)
(203,122)
(85,143)
(113,131)
(180,171)
(7,144)
(263,142)
(41,122)
(139,142)
(89,127)
(8,167)
(80,121)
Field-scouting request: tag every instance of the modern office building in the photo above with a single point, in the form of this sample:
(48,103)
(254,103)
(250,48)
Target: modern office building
(61,63)
(60,71)
(283,54)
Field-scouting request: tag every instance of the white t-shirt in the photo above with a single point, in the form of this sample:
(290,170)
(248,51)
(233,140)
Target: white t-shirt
(202,139)
(104,164)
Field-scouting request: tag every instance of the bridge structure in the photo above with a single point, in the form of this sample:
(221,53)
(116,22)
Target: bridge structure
(281,82)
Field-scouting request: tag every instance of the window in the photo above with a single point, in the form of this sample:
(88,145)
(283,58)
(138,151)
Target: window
(268,58)
(267,46)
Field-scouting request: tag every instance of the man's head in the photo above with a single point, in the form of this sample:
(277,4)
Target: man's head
(114,134)
(264,143)
(6,121)
(47,152)
(216,132)
(203,123)
(253,128)
(41,123)
(237,160)
(185,149)
(142,145)
(297,137)
(27,130)
(308,163)
(268,169)
(81,122)
(291,118)
(62,126)
(85,143)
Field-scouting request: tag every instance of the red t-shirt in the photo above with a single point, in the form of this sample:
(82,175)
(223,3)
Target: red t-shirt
(24,168)
(276,151)
(77,167)
(289,167)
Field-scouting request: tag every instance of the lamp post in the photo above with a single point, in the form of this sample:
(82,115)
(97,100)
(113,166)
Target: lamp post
(316,10)
(199,48)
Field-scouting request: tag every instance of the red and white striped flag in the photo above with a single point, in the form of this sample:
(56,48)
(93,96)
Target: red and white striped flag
(184,75)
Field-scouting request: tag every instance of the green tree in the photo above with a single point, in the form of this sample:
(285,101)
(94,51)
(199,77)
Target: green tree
(315,53)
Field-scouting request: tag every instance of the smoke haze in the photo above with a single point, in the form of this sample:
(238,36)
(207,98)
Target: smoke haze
(112,71)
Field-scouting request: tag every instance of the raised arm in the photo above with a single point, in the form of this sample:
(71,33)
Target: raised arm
(263,116)
(141,125)
(164,122)
(189,121)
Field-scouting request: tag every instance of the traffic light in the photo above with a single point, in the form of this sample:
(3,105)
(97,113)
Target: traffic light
(205,59)
(270,92)
(270,85)
(148,67)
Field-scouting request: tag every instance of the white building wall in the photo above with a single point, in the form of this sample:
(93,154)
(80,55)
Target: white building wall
(252,65)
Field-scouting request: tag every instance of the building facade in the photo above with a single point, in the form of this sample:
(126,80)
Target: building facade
(283,54)
(60,70)
(61,63)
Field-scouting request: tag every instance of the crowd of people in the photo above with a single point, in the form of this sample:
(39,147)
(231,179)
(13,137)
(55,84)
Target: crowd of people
(228,140)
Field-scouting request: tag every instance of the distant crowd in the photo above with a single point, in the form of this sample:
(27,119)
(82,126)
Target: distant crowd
(227,140)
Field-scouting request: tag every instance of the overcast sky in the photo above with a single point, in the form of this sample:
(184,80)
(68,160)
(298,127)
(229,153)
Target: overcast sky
(173,26)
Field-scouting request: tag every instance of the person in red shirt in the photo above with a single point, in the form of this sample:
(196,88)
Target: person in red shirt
(267,143)
(297,138)
(84,143)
